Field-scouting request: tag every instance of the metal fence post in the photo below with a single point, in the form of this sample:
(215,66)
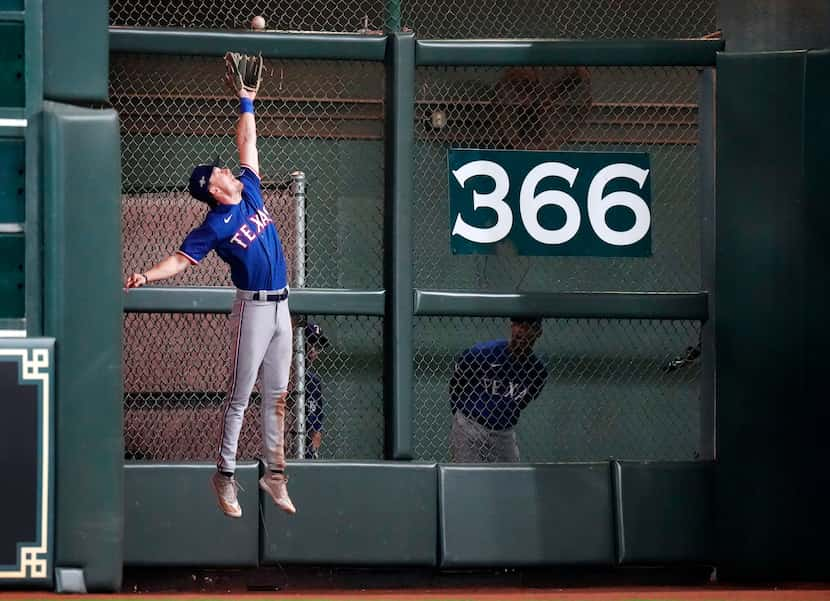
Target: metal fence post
(298,190)
(706,148)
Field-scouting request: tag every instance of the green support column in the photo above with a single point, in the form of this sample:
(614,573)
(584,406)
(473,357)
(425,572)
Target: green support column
(815,415)
(393,16)
(773,244)
(83,312)
(400,138)
(76,50)
(706,191)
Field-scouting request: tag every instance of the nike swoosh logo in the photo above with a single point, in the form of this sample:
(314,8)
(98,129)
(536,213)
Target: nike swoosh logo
(228,218)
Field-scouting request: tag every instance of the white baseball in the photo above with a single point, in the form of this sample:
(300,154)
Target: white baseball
(438,119)
(258,22)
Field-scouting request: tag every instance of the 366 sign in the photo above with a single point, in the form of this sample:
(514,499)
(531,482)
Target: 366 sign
(549,203)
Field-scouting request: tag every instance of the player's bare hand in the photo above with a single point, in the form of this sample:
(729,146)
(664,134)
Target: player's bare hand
(135,281)
(243,93)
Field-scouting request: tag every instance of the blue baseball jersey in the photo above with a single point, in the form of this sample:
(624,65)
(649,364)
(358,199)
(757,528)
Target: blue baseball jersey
(244,236)
(492,386)
(313,409)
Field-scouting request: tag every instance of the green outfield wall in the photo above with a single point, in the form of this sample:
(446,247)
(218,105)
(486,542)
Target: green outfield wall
(681,424)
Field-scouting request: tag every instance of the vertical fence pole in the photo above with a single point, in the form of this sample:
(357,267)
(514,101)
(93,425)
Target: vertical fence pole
(393,16)
(397,262)
(298,190)
(34,219)
(706,203)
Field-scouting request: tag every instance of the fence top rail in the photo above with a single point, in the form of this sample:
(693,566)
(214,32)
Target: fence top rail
(272,44)
(318,301)
(566,52)
(346,46)
(566,305)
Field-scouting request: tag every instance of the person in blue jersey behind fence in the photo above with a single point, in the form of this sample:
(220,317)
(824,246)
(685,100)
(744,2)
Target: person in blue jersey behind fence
(491,384)
(242,232)
(315,343)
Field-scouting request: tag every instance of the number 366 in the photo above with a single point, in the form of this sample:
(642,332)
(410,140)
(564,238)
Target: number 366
(531,203)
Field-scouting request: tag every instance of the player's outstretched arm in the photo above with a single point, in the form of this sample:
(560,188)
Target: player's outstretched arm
(246,134)
(172,265)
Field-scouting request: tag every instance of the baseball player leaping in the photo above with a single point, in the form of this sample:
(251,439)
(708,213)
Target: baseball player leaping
(240,230)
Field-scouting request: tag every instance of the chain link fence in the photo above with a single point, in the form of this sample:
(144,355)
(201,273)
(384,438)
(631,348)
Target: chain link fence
(321,117)
(646,109)
(176,373)
(435,18)
(355,16)
(457,19)
(614,389)
(619,389)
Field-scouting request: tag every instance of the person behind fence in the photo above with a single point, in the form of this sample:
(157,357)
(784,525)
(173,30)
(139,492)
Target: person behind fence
(315,343)
(242,232)
(491,384)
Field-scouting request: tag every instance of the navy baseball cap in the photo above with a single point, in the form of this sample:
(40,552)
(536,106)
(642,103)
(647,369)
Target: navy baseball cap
(199,180)
(314,335)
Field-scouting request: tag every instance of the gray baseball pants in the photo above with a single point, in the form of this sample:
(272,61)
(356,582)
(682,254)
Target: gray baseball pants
(261,337)
(470,442)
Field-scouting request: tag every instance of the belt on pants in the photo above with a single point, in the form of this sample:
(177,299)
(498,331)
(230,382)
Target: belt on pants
(263,295)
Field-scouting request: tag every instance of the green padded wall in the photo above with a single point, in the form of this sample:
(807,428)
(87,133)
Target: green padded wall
(171,517)
(83,312)
(773,232)
(354,514)
(664,511)
(76,50)
(525,515)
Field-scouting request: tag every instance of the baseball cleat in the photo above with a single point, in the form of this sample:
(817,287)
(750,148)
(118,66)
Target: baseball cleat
(274,485)
(225,487)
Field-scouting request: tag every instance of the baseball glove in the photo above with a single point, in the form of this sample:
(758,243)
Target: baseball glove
(243,72)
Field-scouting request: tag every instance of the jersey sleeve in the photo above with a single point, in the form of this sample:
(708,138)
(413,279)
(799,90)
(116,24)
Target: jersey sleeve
(249,178)
(199,243)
